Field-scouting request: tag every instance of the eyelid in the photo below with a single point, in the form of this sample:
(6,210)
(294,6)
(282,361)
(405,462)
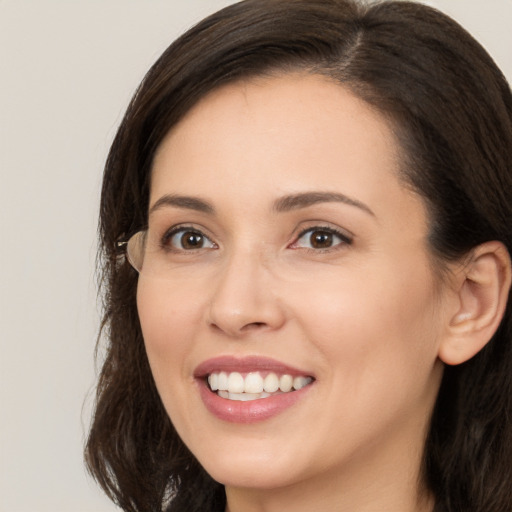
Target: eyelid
(165,239)
(345,237)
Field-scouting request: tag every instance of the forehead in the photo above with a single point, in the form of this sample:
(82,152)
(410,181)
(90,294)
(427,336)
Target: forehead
(282,134)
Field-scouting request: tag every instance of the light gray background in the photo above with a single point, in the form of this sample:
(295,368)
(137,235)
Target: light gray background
(67,71)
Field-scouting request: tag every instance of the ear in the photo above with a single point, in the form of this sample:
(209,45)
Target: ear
(482,287)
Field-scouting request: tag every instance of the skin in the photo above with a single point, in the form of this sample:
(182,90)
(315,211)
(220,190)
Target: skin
(365,318)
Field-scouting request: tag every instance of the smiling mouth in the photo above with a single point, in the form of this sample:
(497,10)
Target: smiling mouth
(254,385)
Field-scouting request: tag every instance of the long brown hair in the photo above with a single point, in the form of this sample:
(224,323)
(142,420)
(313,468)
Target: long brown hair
(451,109)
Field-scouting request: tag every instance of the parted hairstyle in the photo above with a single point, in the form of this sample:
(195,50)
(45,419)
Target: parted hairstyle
(451,110)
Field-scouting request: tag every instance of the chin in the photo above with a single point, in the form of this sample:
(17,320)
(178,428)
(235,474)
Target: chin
(249,475)
(252,468)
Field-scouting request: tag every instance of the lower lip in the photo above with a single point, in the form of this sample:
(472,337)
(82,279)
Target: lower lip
(236,411)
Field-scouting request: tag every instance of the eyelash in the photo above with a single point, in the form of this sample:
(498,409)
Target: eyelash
(345,239)
(166,240)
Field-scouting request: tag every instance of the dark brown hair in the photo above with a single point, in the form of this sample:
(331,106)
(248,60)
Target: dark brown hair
(451,109)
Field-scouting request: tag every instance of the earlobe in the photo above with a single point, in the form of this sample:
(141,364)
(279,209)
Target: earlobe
(482,286)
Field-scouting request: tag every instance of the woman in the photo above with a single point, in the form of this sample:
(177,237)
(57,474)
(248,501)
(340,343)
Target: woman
(315,197)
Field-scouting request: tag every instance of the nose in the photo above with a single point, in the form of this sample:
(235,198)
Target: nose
(244,299)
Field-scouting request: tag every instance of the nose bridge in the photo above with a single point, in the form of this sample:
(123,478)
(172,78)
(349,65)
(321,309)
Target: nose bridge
(243,297)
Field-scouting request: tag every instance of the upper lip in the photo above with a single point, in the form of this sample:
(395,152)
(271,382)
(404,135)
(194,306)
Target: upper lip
(246,364)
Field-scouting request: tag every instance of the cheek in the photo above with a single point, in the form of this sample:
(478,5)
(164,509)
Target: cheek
(379,353)
(376,324)
(168,317)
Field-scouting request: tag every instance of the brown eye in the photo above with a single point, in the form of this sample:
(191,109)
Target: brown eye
(191,240)
(321,238)
(188,240)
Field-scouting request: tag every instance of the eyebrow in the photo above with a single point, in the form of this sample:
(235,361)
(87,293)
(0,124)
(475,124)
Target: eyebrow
(305,199)
(283,204)
(185,202)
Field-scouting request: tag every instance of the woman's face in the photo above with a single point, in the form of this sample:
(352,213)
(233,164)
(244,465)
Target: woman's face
(285,245)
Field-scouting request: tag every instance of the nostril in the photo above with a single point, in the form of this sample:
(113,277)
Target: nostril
(253,325)
(247,328)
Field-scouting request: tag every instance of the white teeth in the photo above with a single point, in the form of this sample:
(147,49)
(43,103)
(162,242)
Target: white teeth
(213,380)
(300,382)
(253,383)
(235,383)
(253,386)
(222,383)
(244,397)
(285,383)
(271,383)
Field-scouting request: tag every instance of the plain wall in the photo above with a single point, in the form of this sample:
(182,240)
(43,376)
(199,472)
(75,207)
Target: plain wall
(67,71)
